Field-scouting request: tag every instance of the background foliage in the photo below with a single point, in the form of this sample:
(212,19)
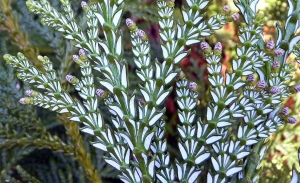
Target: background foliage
(34,144)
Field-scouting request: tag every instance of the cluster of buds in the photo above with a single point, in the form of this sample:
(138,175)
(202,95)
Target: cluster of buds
(270,49)
(81,58)
(290,119)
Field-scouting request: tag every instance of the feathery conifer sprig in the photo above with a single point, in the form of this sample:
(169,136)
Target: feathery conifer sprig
(241,114)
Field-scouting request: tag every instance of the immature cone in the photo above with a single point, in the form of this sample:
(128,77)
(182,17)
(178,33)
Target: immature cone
(285,111)
(101,93)
(275,90)
(235,16)
(275,66)
(250,78)
(279,52)
(131,25)
(82,55)
(72,79)
(142,35)
(85,6)
(261,84)
(218,48)
(226,9)
(270,44)
(292,120)
(297,88)
(26,100)
(31,93)
(193,86)
(205,47)
(77,59)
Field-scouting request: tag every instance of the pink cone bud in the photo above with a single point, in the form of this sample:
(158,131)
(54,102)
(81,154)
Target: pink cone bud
(279,52)
(292,120)
(193,86)
(261,84)
(285,111)
(204,46)
(226,8)
(142,35)
(270,44)
(235,16)
(250,78)
(275,90)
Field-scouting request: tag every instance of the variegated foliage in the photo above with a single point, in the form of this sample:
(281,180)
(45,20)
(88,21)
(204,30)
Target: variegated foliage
(135,142)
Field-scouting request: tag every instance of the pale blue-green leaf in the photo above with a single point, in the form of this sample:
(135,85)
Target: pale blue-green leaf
(185,16)
(253,5)
(161,178)
(128,141)
(87,130)
(119,46)
(100,18)
(155,118)
(279,32)
(162,97)
(117,110)
(117,16)
(215,164)
(170,77)
(100,146)
(107,85)
(151,168)
(213,139)
(251,142)
(132,106)
(179,57)
(189,2)
(69,37)
(223,124)
(182,151)
(295,178)
(201,158)
(112,163)
(203,4)
(165,52)
(293,42)
(242,155)
(75,118)
(233,171)
(291,7)
(179,171)
(127,156)
(194,176)
(104,46)
(191,41)
(147,140)
(124,77)
(145,94)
